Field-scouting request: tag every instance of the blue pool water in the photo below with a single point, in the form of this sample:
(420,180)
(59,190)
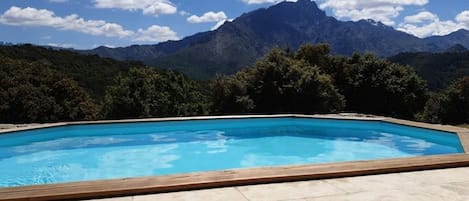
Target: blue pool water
(106,151)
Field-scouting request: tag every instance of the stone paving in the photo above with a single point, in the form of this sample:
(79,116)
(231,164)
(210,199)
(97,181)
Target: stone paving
(432,185)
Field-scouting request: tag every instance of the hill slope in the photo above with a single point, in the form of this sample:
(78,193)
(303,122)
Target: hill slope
(91,72)
(439,69)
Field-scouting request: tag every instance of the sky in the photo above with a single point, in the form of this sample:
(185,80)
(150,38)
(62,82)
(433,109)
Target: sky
(87,24)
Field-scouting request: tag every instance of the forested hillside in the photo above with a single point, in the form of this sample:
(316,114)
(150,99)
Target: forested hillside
(91,72)
(44,85)
(439,69)
(34,92)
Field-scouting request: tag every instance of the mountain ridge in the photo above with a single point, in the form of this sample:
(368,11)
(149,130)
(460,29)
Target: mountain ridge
(460,37)
(238,44)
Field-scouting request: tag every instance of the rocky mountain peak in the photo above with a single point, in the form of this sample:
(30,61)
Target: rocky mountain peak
(300,7)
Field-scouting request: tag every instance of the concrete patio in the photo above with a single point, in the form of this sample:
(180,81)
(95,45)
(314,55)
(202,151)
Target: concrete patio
(432,185)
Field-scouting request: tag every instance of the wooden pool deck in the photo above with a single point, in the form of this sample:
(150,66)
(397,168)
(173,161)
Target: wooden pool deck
(243,177)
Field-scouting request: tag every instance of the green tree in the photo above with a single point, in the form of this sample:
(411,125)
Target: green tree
(229,94)
(277,83)
(457,103)
(314,54)
(369,84)
(449,106)
(433,109)
(376,86)
(33,92)
(146,92)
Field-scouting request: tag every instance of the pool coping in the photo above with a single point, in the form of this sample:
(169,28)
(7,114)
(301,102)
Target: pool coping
(235,177)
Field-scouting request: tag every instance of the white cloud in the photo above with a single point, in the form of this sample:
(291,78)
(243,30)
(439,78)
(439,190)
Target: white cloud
(63,45)
(219,17)
(463,17)
(378,10)
(260,1)
(44,18)
(33,17)
(426,24)
(263,1)
(109,46)
(424,16)
(184,13)
(433,28)
(208,17)
(218,24)
(148,7)
(104,45)
(156,33)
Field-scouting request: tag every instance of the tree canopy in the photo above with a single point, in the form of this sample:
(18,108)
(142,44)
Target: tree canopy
(43,85)
(369,84)
(449,106)
(33,92)
(146,92)
(277,83)
(91,72)
(376,86)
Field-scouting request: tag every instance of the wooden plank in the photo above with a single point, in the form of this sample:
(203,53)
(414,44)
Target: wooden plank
(447,128)
(317,116)
(464,138)
(158,184)
(33,127)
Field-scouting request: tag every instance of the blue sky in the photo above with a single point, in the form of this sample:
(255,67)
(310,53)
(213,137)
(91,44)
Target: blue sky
(85,24)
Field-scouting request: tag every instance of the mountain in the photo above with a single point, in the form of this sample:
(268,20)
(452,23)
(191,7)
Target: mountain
(146,52)
(238,44)
(456,48)
(460,37)
(439,69)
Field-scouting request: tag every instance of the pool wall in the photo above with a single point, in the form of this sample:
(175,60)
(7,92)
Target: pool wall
(158,184)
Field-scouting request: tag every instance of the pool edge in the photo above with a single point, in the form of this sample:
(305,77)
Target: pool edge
(181,182)
(338,116)
(192,181)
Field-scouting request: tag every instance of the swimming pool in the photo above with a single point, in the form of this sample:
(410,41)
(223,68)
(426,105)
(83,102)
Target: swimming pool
(120,150)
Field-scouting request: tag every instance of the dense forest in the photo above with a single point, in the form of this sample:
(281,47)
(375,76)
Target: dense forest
(44,85)
(439,69)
